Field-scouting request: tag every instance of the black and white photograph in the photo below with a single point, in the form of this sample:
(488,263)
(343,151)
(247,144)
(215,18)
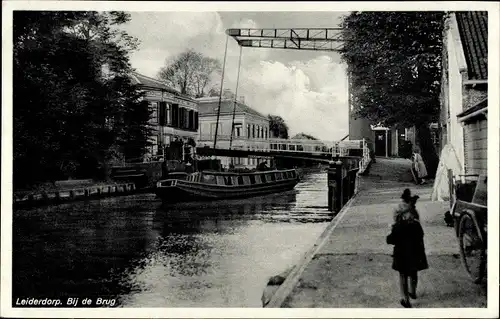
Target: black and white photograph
(247,158)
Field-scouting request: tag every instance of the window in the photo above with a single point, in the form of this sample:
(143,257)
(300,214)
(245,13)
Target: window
(196,121)
(252,179)
(154,112)
(234,180)
(257,179)
(209,179)
(169,113)
(237,129)
(213,127)
(258,131)
(220,180)
(240,180)
(253,130)
(182,117)
(154,147)
(248,130)
(265,134)
(186,118)
(263,178)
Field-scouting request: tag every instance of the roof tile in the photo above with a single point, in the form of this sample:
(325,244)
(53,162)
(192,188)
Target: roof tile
(210,107)
(473,29)
(140,79)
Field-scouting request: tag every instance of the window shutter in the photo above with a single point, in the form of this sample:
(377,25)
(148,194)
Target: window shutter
(182,117)
(191,120)
(163,107)
(175,115)
(196,120)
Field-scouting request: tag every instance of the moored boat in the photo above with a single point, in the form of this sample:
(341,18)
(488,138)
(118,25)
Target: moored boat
(211,185)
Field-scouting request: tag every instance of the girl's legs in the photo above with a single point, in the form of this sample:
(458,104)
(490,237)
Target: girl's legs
(403,285)
(413,285)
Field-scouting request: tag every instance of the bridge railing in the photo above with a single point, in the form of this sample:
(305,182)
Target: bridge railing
(335,148)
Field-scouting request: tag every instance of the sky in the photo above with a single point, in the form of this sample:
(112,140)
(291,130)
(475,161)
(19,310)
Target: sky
(307,88)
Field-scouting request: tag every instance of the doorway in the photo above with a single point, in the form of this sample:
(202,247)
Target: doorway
(382,143)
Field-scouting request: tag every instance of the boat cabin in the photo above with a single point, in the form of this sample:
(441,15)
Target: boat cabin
(238,179)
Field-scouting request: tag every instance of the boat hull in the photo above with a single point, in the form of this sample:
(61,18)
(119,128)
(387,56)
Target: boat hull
(185,191)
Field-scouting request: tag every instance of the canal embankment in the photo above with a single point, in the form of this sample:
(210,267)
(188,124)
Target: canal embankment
(349,266)
(70,190)
(123,180)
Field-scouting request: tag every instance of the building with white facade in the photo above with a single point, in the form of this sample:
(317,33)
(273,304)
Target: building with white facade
(250,132)
(464,99)
(174,119)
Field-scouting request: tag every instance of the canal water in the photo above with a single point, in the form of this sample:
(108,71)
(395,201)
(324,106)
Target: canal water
(130,249)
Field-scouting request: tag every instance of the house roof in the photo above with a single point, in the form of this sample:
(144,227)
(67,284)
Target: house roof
(477,110)
(473,29)
(209,107)
(146,81)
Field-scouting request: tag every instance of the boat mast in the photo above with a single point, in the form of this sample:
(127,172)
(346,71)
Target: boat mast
(220,94)
(235,100)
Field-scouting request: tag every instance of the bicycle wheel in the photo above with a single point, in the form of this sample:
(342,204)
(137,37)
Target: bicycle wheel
(472,249)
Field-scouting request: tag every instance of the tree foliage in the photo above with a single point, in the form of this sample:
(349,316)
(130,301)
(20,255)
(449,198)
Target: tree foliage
(304,136)
(70,117)
(191,73)
(394,63)
(277,126)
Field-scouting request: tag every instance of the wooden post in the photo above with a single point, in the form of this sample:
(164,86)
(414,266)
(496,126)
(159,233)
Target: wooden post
(332,185)
(346,188)
(335,192)
(340,182)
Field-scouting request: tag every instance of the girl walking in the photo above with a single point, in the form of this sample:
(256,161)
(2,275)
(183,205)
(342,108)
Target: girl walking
(409,256)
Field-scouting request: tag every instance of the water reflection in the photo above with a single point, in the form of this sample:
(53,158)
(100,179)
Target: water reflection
(210,254)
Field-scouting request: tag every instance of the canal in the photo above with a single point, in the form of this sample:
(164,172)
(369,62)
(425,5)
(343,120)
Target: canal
(217,254)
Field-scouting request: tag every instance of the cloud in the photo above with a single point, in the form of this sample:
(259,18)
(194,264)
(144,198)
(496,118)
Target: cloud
(285,90)
(309,93)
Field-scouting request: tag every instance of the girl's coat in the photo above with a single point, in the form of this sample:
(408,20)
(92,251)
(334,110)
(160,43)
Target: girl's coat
(407,236)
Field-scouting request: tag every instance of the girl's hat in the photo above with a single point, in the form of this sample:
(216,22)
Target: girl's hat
(406,194)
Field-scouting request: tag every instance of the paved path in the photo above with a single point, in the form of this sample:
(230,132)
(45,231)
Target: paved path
(353,268)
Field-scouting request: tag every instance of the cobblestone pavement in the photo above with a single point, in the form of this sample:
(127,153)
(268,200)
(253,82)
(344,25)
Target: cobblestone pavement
(353,269)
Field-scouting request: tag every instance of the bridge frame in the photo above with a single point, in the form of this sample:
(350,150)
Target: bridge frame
(315,39)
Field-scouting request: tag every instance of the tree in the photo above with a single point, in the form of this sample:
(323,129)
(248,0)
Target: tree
(394,64)
(215,91)
(68,115)
(191,73)
(304,136)
(277,126)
